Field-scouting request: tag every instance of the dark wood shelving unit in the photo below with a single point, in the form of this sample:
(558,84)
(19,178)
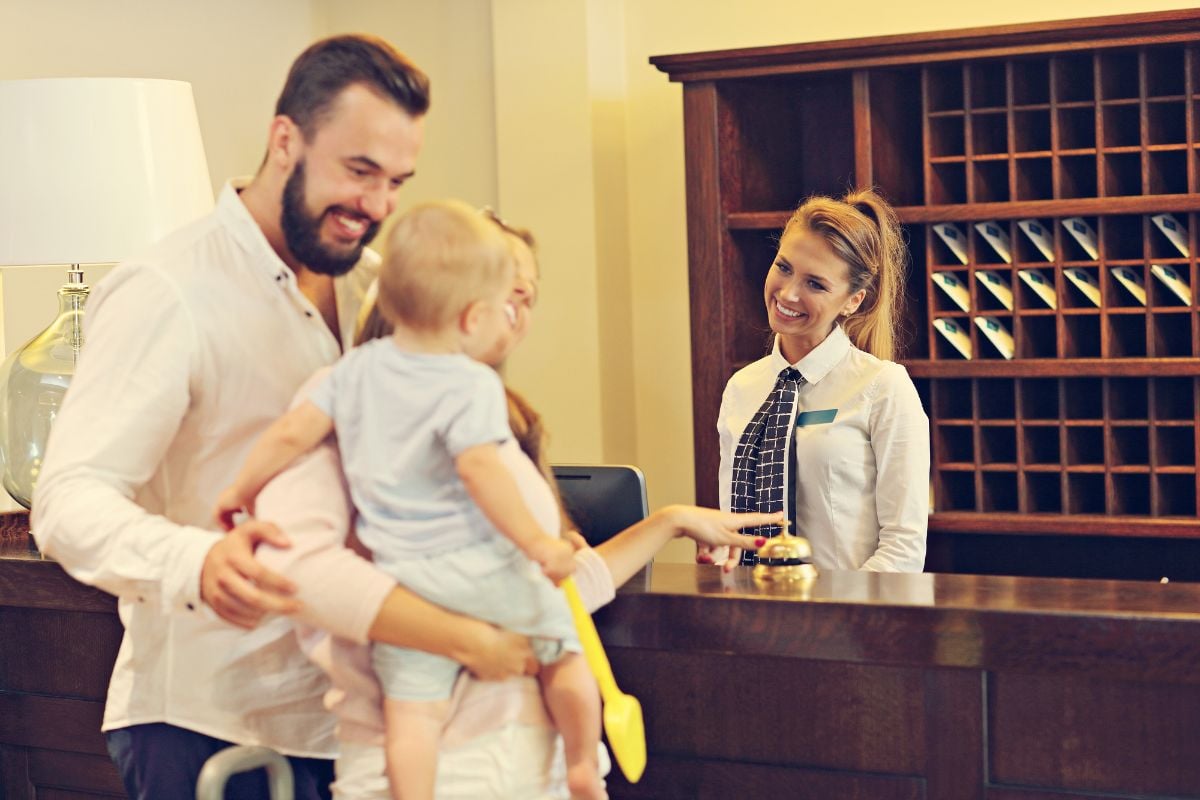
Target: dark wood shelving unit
(1089,429)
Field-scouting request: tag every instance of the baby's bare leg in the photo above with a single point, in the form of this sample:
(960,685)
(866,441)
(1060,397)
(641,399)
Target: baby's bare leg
(413,731)
(574,702)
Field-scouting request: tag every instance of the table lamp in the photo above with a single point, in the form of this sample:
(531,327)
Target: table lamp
(92,170)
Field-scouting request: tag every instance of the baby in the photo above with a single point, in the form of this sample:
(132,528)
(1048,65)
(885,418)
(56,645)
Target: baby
(423,431)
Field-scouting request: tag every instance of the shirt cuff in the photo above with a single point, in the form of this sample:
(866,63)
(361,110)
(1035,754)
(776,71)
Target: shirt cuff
(181,580)
(595,582)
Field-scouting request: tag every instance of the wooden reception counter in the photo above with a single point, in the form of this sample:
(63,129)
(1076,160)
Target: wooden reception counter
(866,687)
(890,687)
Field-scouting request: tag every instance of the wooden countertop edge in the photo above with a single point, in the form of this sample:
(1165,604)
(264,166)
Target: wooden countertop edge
(42,584)
(1115,646)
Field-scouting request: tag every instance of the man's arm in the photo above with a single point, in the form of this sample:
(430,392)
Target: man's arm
(126,402)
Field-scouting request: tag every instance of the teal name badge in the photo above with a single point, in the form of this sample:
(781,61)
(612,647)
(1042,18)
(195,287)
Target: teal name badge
(806,418)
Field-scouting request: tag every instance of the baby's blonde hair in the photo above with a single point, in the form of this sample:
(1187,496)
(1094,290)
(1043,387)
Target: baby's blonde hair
(441,257)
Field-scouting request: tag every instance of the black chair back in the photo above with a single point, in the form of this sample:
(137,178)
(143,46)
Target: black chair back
(602,499)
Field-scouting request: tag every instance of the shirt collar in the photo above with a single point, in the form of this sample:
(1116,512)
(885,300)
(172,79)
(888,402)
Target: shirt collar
(821,360)
(246,231)
(236,217)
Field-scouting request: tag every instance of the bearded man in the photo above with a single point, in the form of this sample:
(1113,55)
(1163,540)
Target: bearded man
(193,348)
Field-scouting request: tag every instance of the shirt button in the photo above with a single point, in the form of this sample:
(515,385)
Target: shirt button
(308,313)
(191,606)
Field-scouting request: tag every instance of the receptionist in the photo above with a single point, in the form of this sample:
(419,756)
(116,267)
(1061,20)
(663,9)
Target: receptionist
(827,427)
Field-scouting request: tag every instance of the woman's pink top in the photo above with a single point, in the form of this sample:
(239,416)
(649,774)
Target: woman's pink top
(342,593)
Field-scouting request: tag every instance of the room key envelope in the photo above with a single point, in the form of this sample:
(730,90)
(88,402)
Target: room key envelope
(1042,286)
(1039,235)
(1132,283)
(997,334)
(955,334)
(1174,281)
(1174,230)
(1085,283)
(997,238)
(1083,234)
(954,289)
(997,286)
(954,239)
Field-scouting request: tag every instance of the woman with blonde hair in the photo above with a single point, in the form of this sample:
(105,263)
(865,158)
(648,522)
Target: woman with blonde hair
(827,427)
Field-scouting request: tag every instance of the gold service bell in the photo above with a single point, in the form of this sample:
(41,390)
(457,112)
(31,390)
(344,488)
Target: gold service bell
(785,559)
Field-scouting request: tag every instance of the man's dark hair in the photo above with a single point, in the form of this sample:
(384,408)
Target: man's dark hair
(327,67)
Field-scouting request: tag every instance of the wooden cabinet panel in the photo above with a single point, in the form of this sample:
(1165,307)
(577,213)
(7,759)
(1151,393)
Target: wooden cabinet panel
(712,322)
(53,646)
(779,711)
(954,714)
(54,723)
(682,779)
(1082,734)
(74,774)
(58,641)
(1034,794)
(32,774)
(14,774)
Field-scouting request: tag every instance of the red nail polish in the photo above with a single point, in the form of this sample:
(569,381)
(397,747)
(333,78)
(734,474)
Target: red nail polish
(760,541)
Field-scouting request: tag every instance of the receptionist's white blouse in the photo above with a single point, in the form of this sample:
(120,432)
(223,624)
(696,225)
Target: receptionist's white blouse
(862,454)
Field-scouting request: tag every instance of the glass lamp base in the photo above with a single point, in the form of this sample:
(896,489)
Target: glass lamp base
(33,381)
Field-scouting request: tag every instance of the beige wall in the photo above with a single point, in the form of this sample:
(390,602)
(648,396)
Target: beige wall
(452,43)
(545,179)
(235,55)
(614,278)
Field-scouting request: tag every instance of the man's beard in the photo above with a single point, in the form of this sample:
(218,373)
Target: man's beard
(302,232)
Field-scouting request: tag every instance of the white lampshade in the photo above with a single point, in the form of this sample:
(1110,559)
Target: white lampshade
(94,169)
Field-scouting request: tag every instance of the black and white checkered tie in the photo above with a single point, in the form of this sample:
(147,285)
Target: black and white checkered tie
(759,463)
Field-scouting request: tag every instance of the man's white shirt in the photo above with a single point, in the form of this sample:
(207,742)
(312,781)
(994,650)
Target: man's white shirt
(191,351)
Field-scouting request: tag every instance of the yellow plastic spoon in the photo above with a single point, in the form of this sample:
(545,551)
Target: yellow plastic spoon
(622,712)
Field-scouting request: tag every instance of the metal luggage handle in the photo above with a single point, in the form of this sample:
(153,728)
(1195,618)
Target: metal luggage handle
(242,758)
